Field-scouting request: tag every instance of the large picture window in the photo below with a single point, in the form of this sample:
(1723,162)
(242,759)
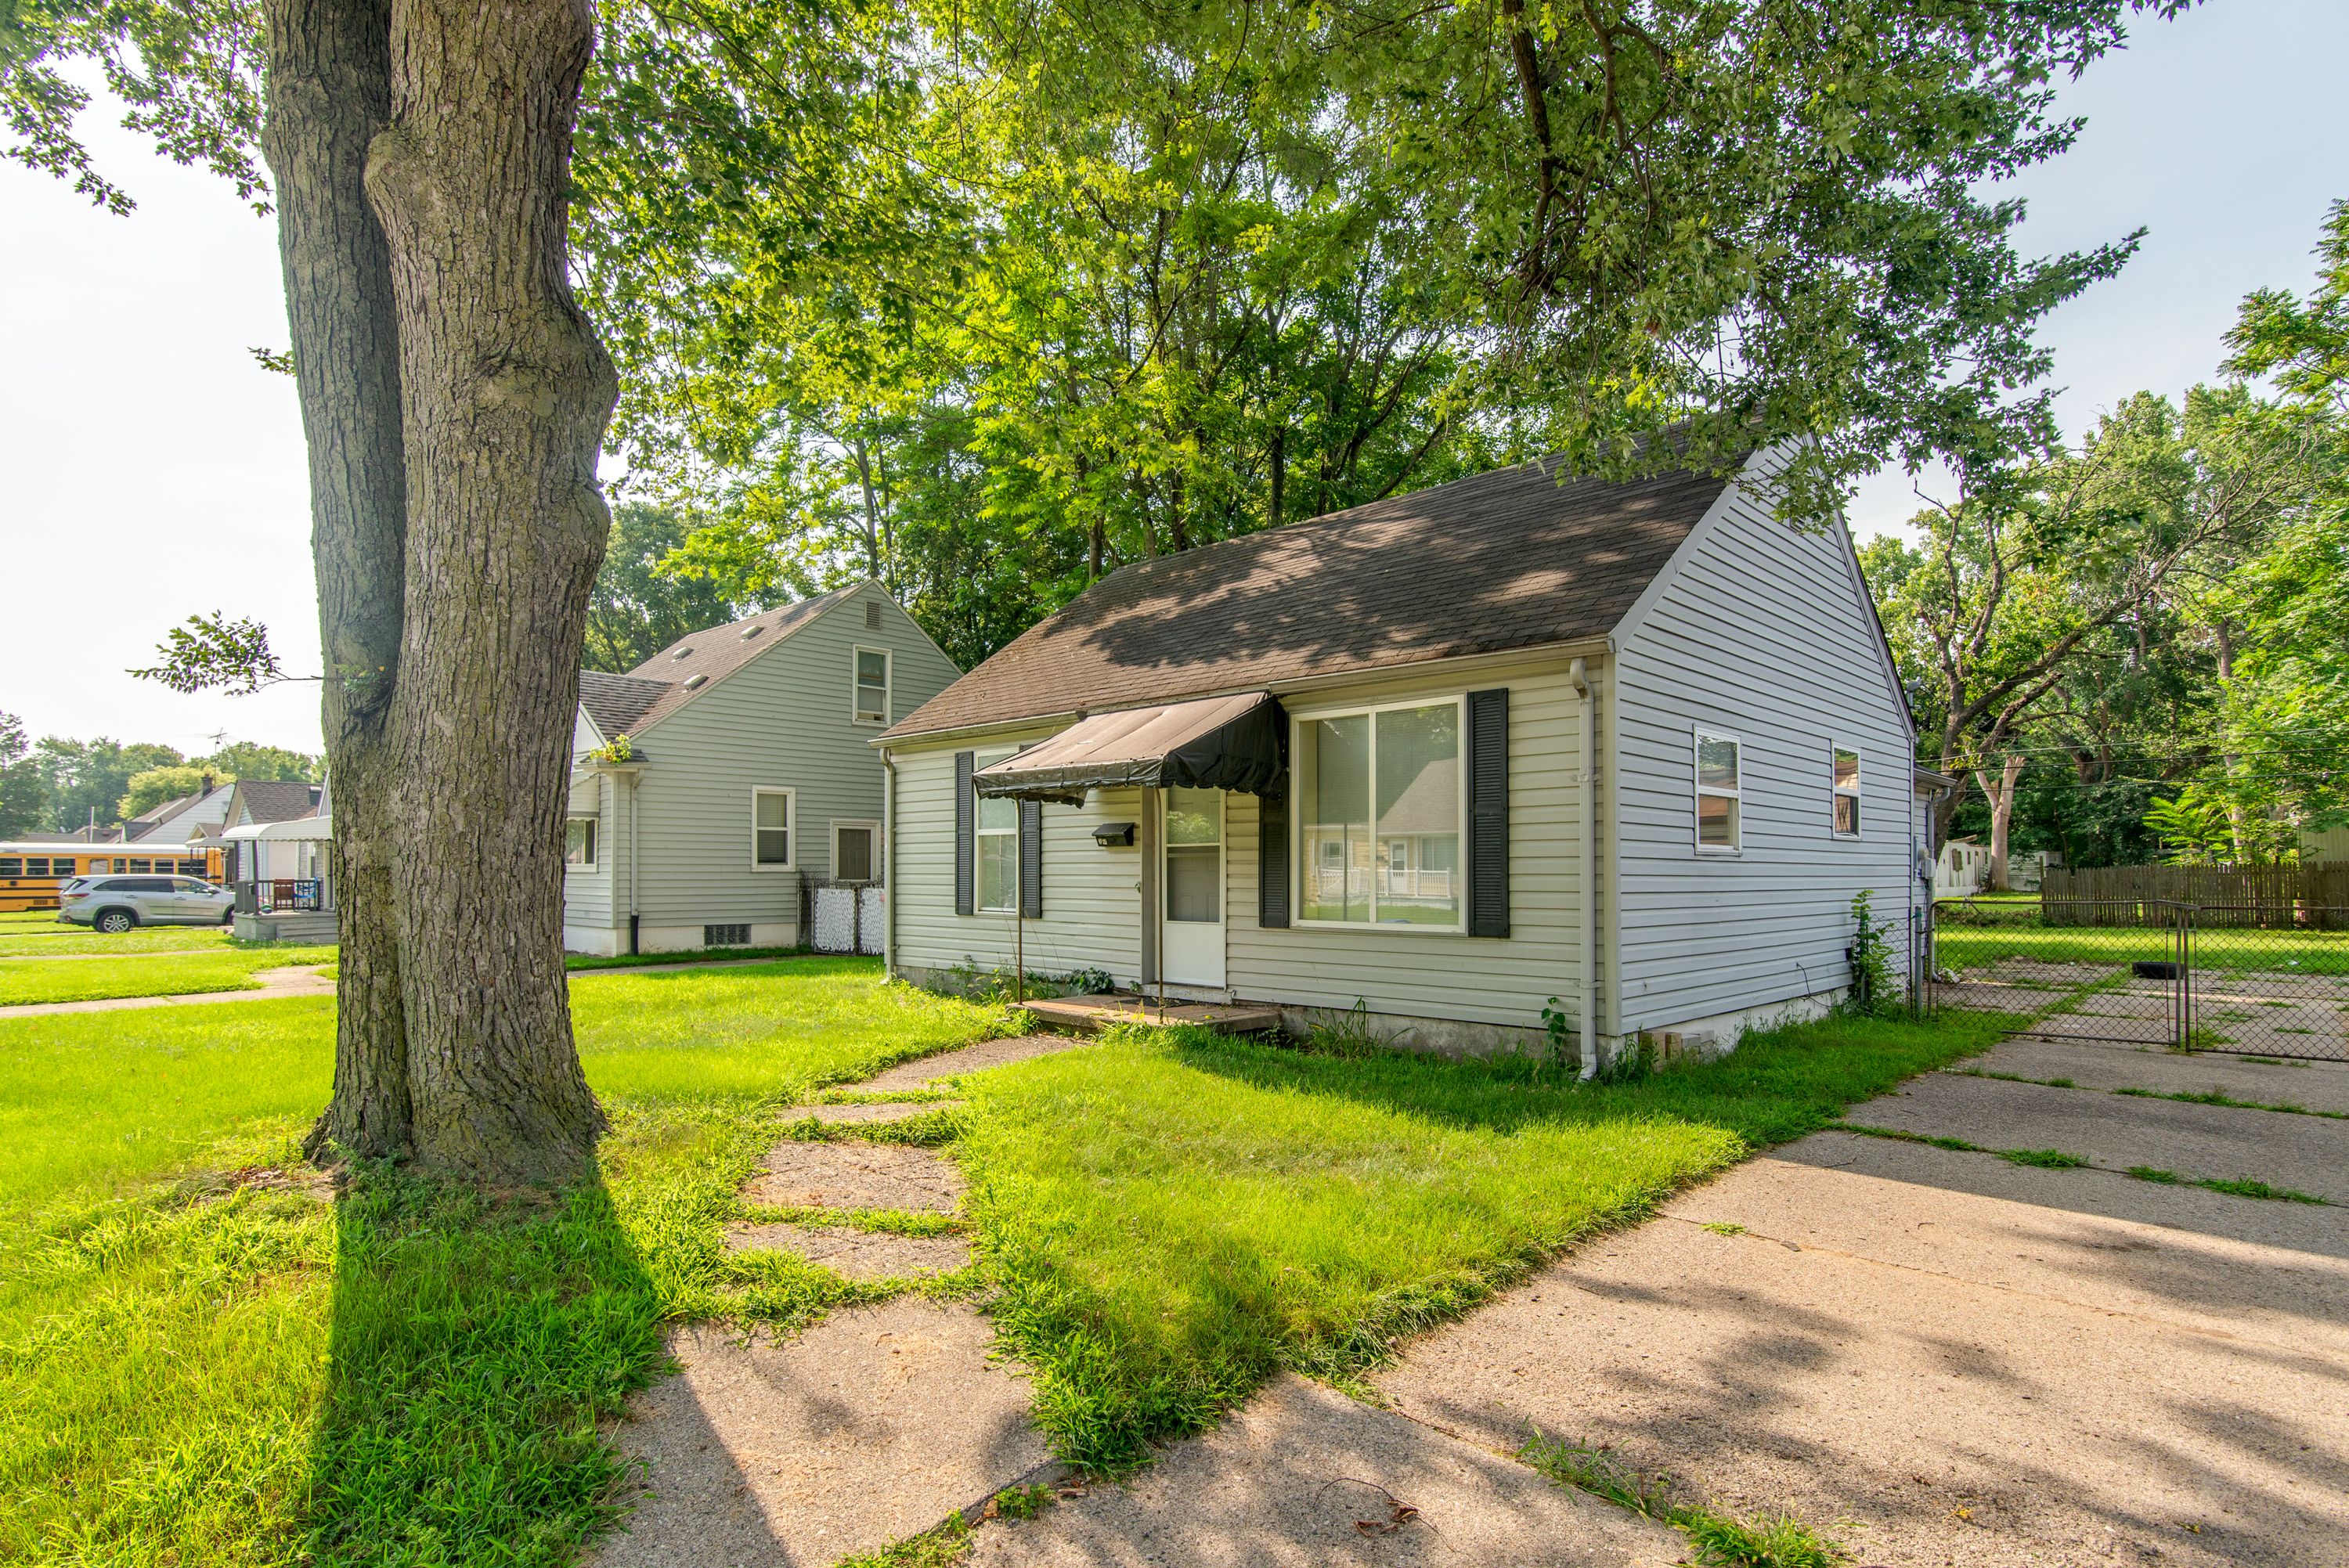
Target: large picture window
(996,842)
(1844,781)
(771,829)
(1719,793)
(1378,797)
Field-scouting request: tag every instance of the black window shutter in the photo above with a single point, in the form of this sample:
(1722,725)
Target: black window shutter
(1272,861)
(1032,860)
(966,820)
(1488,813)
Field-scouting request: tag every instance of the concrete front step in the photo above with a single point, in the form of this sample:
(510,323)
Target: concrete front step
(1089,1014)
(293,925)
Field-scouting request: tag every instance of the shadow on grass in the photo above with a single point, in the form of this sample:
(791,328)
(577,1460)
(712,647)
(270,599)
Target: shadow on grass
(473,1348)
(1775,1086)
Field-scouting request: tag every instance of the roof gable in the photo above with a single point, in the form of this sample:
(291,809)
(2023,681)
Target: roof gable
(1506,560)
(633,703)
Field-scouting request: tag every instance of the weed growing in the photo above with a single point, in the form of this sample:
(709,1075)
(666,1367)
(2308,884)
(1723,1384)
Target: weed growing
(1715,1539)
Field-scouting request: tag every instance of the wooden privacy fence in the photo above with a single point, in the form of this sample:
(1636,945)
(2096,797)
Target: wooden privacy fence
(2309,896)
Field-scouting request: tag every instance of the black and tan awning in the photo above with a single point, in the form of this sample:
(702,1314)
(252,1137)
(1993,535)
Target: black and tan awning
(1215,743)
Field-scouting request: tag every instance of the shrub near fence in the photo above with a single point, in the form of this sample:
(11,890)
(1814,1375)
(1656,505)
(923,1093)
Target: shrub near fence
(2272,896)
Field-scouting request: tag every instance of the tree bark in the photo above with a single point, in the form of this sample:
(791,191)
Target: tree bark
(453,401)
(328,93)
(506,391)
(2002,815)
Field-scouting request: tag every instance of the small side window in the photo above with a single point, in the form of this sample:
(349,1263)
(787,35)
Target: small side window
(771,829)
(1720,771)
(579,843)
(872,686)
(1845,783)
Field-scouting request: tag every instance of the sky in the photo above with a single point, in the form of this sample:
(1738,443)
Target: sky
(150,470)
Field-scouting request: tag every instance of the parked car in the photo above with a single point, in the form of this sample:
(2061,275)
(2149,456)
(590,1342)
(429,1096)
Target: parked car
(119,903)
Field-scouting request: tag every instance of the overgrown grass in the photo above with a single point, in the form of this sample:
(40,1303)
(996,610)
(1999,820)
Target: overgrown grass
(69,979)
(215,1369)
(1173,1216)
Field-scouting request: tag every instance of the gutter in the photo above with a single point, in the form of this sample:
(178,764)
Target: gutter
(889,864)
(1579,676)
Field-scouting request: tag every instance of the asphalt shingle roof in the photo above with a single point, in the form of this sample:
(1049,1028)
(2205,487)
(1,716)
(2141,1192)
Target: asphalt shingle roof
(633,703)
(277,800)
(616,702)
(1510,559)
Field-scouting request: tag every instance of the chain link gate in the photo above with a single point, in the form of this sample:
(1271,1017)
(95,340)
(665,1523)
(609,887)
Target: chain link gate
(2149,972)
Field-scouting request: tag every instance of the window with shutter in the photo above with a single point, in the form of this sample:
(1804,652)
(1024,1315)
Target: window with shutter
(1379,800)
(1488,813)
(965,831)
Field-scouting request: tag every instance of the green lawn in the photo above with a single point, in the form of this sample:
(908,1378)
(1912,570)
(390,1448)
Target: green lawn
(1172,1217)
(49,938)
(200,1366)
(23,980)
(1960,946)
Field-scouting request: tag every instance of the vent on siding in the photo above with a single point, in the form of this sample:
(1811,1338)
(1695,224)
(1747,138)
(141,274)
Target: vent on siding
(694,683)
(726,936)
(872,615)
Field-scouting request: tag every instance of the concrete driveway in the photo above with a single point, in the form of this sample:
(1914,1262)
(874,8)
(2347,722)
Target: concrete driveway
(1943,1356)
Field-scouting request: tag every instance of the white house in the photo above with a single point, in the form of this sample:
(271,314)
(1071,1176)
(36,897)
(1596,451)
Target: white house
(745,768)
(1452,755)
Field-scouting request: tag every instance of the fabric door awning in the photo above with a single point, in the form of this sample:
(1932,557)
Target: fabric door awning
(1237,742)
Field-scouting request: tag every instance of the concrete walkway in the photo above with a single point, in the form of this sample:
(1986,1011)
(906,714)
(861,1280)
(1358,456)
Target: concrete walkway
(1943,1357)
(873,1426)
(298,980)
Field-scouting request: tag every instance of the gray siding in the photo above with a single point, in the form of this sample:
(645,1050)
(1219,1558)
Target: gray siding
(784,720)
(1094,900)
(1764,633)
(588,893)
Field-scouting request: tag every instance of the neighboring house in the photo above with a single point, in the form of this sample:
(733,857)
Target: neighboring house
(260,801)
(191,818)
(749,768)
(1962,870)
(2328,846)
(1450,755)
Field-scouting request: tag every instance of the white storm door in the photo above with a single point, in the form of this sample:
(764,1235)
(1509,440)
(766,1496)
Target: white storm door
(1191,873)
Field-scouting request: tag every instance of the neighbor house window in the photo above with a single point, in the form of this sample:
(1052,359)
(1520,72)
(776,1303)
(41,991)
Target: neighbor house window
(996,838)
(872,686)
(856,851)
(1718,772)
(1845,781)
(771,829)
(579,841)
(1379,798)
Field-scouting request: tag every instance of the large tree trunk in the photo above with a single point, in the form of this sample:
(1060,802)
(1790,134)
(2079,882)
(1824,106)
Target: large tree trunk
(454,400)
(329,93)
(506,391)
(2002,816)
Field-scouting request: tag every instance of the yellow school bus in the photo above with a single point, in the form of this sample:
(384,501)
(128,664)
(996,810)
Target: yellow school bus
(31,872)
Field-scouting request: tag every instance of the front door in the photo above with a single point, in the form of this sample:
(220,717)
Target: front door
(1191,872)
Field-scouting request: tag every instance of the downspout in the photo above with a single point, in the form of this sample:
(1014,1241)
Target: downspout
(889,866)
(632,914)
(1579,676)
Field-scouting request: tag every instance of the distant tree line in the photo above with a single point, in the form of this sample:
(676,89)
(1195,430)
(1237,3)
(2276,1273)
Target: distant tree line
(2136,648)
(58,785)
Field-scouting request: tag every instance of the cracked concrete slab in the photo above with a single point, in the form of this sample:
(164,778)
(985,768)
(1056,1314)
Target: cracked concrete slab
(969,1059)
(2306,1153)
(2314,1086)
(854,1175)
(858,1254)
(869,1428)
(1938,1377)
(1307,1477)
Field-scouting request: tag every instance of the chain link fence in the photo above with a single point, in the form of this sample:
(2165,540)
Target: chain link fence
(2152,971)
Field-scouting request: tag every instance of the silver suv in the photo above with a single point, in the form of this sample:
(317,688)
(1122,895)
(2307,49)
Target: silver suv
(117,904)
